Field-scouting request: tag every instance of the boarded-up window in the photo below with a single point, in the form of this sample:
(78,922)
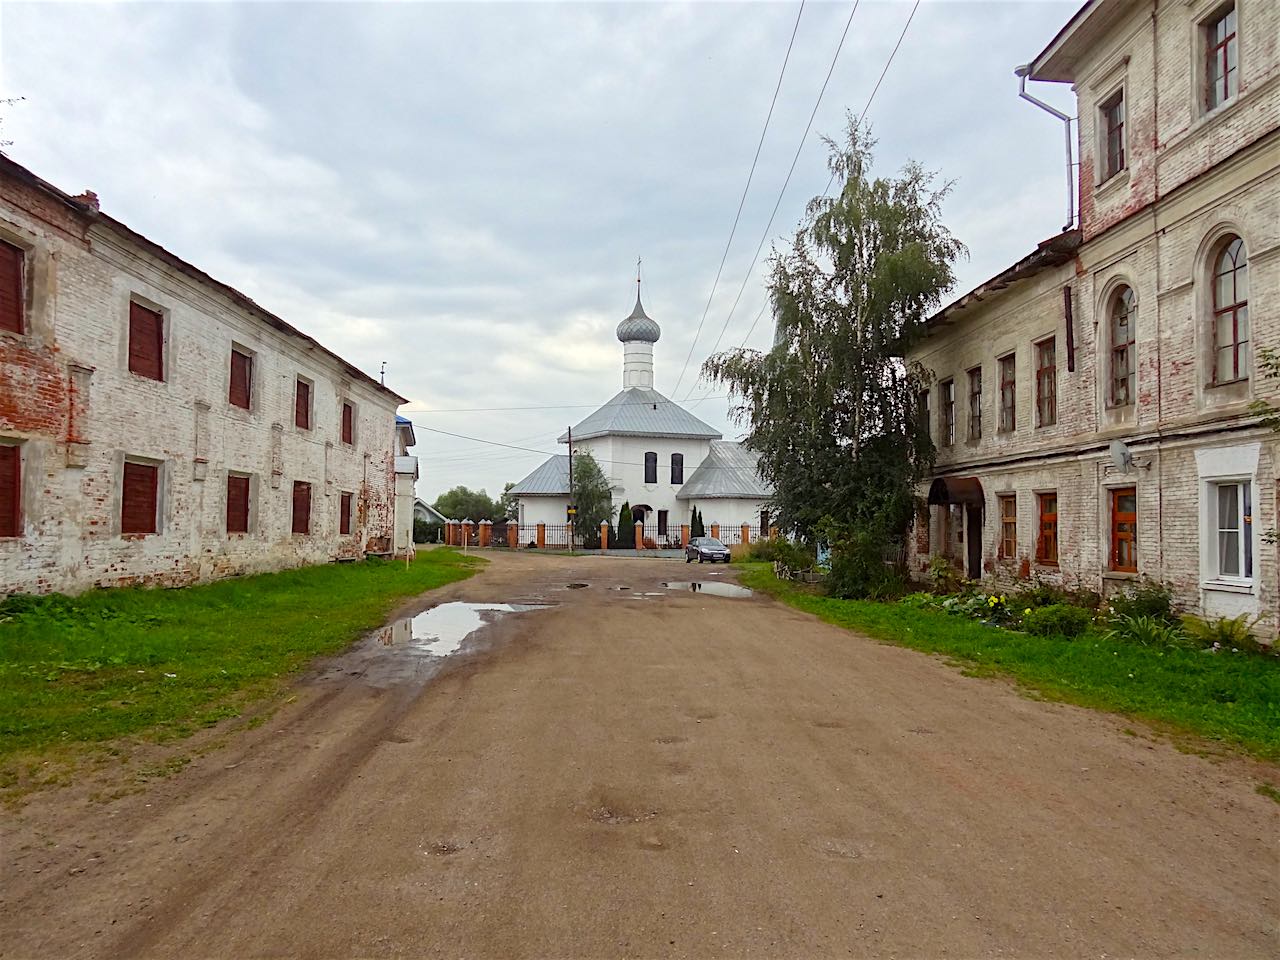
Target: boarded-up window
(10,491)
(302,405)
(11,298)
(344,514)
(301,507)
(348,423)
(237,504)
(146,342)
(241,378)
(138,498)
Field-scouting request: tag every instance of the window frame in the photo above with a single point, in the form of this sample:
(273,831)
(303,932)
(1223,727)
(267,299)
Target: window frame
(651,466)
(247,479)
(1046,375)
(924,416)
(13,523)
(1112,145)
(140,463)
(1244,513)
(1122,304)
(1211,47)
(306,487)
(1117,519)
(347,424)
(1047,517)
(162,335)
(947,391)
(20,293)
(237,350)
(1008,543)
(975,403)
(677,469)
(1008,392)
(346,502)
(300,381)
(1237,310)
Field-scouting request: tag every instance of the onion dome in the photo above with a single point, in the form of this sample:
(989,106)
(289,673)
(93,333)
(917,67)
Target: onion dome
(639,326)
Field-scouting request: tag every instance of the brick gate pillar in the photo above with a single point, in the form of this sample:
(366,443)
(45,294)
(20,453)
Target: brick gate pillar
(684,535)
(513,535)
(604,535)
(542,536)
(486,532)
(466,533)
(639,536)
(715,531)
(746,533)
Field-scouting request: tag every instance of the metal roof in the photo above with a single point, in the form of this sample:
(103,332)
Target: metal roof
(637,412)
(730,470)
(551,479)
(639,326)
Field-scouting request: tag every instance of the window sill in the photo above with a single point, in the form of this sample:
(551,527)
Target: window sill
(1052,564)
(1228,586)
(1112,183)
(1120,575)
(137,536)
(142,376)
(1219,384)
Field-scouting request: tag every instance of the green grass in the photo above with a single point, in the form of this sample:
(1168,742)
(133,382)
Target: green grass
(163,663)
(1231,699)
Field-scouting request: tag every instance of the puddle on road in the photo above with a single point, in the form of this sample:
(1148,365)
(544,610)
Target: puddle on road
(715,589)
(415,647)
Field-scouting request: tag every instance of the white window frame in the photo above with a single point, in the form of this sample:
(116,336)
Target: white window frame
(1217,466)
(1246,554)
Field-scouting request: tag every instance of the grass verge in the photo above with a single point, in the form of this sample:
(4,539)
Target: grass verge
(160,664)
(1231,699)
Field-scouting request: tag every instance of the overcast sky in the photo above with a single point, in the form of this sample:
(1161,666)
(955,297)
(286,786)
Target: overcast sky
(462,190)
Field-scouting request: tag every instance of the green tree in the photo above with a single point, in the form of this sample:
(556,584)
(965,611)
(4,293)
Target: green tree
(590,493)
(626,532)
(1269,361)
(696,526)
(507,507)
(832,407)
(463,504)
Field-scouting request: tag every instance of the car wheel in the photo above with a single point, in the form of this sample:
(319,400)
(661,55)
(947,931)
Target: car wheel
(700,558)
(686,558)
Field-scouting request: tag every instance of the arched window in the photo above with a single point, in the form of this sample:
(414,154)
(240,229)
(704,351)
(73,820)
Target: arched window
(1230,312)
(1124,365)
(677,468)
(651,467)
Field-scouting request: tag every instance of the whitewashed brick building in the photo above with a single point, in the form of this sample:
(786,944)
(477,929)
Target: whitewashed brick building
(1142,324)
(157,426)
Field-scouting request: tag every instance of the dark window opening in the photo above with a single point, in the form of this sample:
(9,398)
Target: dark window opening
(237,504)
(651,467)
(301,507)
(10,490)
(948,390)
(1008,394)
(975,403)
(348,423)
(146,342)
(241,378)
(1113,127)
(677,468)
(12,260)
(662,523)
(138,497)
(302,406)
(344,513)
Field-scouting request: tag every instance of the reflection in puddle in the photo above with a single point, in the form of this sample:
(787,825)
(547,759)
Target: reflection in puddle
(716,589)
(413,648)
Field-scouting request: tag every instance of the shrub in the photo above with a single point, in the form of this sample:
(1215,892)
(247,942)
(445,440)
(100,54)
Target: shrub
(1235,634)
(425,531)
(1038,595)
(794,555)
(1145,631)
(1057,620)
(942,574)
(859,570)
(1148,599)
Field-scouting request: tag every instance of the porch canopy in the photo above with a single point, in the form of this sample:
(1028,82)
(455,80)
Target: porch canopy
(948,490)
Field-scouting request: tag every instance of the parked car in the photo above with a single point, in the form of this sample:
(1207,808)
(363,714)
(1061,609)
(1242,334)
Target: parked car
(706,550)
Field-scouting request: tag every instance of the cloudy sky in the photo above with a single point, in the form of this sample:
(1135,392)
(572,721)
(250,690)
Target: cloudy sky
(462,190)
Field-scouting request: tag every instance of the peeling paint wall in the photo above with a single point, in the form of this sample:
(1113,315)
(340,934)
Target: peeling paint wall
(68,398)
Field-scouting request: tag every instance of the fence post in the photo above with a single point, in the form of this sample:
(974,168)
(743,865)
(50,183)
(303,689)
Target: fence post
(486,532)
(448,533)
(513,535)
(684,535)
(715,531)
(466,533)
(604,535)
(746,533)
(542,536)
(639,535)
(773,533)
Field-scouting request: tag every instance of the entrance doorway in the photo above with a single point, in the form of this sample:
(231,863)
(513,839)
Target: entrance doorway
(973,545)
(956,496)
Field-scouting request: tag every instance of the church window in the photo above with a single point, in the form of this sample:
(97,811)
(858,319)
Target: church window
(677,468)
(651,467)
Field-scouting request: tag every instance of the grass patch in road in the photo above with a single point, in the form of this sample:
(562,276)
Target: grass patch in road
(165,663)
(1234,699)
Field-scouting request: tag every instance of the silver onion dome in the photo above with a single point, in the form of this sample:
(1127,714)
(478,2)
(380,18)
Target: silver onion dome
(639,326)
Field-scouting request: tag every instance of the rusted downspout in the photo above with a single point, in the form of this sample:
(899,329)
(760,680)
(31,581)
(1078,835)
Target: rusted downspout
(1021,73)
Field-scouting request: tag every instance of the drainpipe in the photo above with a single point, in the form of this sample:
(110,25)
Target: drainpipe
(1021,73)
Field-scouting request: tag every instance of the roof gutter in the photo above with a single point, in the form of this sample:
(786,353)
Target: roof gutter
(1021,73)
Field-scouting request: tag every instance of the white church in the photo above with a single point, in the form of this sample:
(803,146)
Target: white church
(658,457)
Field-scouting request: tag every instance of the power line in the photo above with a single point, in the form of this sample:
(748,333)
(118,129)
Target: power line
(785,183)
(734,229)
(563,406)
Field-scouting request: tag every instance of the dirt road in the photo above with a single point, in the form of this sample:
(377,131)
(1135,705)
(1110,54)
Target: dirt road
(678,775)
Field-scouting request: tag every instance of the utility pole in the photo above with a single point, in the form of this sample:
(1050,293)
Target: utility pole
(572,512)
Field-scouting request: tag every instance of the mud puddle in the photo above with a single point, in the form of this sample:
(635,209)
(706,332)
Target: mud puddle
(715,589)
(415,648)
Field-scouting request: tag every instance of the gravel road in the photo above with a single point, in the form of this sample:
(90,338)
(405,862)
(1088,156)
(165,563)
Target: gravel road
(619,774)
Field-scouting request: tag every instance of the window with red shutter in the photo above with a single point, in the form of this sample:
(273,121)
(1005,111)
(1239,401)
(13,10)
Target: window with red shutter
(10,491)
(237,504)
(11,288)
(138,498)
(348,423)
(302,406)
(344,514)
(146,342)
(241,378)
(301,507)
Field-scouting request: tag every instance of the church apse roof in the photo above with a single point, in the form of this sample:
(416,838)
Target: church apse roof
(637,412)
(730,470)
(550,479)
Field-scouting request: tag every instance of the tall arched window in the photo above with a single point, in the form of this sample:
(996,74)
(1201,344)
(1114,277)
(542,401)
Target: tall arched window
(1230,312)
(677,468)
(650,467)
(1124,365)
